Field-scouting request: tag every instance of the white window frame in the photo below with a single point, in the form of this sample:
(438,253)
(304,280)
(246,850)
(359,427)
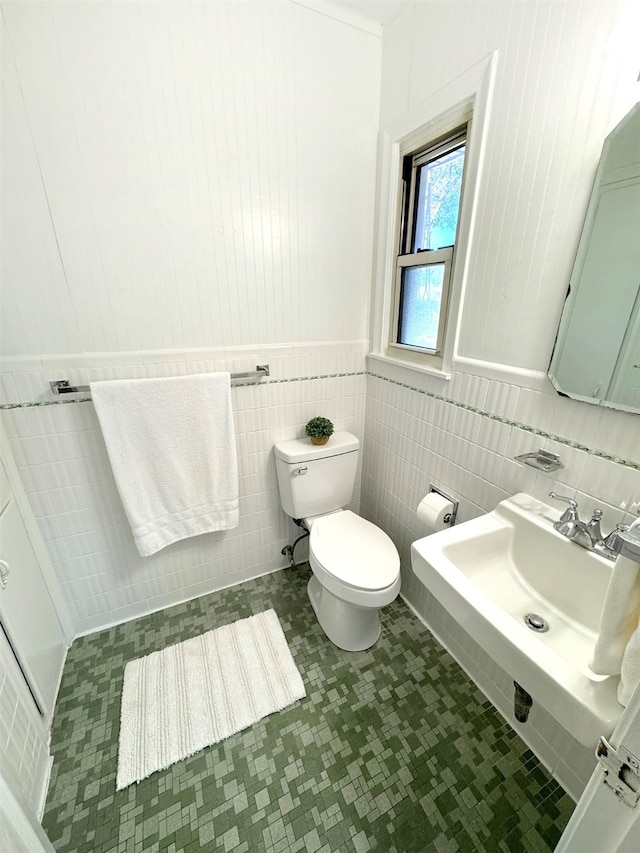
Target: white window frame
(405,234)
(470,94)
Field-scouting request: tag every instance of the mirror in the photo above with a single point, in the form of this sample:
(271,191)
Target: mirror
(597,352)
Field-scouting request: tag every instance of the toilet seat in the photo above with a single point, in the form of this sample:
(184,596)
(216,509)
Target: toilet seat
(354,552)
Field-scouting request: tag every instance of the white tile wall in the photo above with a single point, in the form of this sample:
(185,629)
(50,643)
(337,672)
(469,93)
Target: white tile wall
(421,439)
(62,460)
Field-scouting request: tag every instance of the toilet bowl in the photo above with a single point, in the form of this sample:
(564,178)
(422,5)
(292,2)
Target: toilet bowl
(355,565)
(356,571)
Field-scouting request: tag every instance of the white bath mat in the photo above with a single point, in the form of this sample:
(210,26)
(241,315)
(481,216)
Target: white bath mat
(190,695)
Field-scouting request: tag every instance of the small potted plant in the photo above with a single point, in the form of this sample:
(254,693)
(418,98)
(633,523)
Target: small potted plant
(319,430)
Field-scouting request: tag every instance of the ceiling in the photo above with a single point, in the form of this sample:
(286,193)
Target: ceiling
(373,10)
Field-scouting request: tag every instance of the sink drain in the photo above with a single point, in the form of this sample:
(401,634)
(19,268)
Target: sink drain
(536,623)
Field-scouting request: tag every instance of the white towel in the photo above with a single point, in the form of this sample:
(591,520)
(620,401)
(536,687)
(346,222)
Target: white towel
(619,616)
(172,450)
(630,669)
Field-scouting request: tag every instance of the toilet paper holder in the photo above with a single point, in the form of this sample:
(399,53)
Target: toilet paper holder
(450,518)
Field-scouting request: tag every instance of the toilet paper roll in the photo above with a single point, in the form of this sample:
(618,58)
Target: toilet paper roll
(435,511)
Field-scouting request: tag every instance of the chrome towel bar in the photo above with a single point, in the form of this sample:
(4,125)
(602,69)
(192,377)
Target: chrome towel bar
(63,386)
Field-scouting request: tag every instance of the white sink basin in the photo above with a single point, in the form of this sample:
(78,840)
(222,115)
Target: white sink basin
(490,573)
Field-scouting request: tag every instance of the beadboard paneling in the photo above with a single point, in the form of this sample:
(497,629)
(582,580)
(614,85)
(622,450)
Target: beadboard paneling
(35,305)
(565,76)
(205,171)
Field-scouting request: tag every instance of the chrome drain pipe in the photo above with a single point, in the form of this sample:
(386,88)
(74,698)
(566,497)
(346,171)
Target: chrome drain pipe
(522,702)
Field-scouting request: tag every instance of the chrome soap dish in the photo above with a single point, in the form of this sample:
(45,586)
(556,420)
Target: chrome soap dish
(541,460)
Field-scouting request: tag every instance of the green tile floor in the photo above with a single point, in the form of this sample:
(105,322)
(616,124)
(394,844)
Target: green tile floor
(393,749)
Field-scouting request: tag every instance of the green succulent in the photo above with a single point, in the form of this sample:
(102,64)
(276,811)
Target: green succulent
(319,428)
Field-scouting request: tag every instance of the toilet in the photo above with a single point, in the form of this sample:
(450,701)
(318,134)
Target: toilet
(356,567)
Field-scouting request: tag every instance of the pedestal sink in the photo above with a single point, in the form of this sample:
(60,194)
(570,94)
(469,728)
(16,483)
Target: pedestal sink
(532,600)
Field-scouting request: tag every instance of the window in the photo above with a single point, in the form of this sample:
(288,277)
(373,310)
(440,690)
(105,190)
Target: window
(420,328)
(432,179)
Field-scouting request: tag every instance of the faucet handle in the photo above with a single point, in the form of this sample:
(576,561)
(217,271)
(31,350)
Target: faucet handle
(613,541)
(573,504)
(571,513)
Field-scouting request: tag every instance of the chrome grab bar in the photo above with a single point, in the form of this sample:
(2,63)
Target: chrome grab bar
(63,386)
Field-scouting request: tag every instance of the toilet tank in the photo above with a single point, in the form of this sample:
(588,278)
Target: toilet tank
(315,480)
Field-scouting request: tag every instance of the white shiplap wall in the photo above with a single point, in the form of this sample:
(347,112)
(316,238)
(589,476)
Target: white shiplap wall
(185,175)
(563,79)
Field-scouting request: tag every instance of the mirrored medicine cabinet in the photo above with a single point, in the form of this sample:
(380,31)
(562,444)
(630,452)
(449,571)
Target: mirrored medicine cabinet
(597,352)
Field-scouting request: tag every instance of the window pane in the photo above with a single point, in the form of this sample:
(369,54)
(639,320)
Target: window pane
(438,201)
(420,301)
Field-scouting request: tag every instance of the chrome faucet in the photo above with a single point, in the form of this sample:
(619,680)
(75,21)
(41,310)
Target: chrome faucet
(588,535)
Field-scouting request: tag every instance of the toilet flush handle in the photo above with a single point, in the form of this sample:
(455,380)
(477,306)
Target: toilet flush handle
(299,471)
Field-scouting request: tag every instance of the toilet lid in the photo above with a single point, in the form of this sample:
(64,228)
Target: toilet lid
(354,551)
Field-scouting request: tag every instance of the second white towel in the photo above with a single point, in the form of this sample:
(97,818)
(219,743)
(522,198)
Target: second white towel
(619,617)
(617,648)
(172,449)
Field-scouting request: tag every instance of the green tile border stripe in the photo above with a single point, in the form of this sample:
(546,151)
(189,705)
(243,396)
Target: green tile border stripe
(6,406)
(626,463)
